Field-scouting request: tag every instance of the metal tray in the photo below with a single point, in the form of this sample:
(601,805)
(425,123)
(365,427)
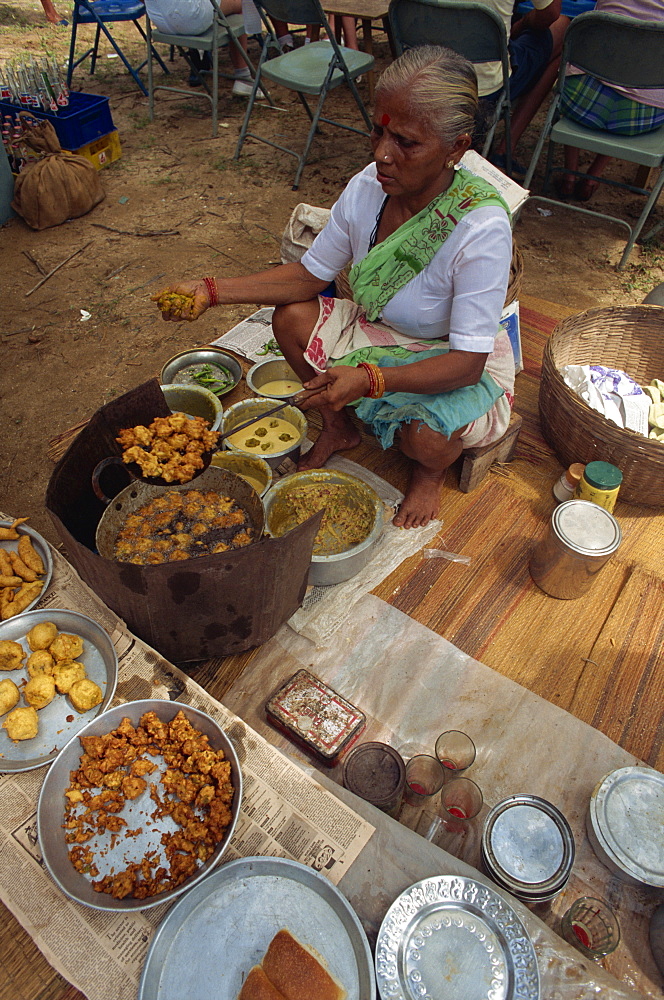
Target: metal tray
(626,816)
(42,547)
(59,721)
(50,812)
(232,916)
(452,938)
(170,373)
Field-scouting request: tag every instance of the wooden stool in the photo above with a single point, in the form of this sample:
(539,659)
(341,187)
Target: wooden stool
(478,461)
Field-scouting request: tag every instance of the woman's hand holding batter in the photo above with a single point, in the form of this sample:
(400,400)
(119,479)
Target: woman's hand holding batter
(187,300)
(337,387)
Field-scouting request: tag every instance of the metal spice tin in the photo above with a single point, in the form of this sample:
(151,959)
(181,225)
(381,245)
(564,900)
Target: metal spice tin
(528,847)
(377,773)
(581,538)
(315,717)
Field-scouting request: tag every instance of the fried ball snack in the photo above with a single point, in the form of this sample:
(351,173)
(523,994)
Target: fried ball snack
(40,662)
(29,554)
(22,724)
(66,673)
(170,448)
(39,691)
(41,635)
(11,534)
(85,694)
(9,695)
(11,654)
(197,795)
(66,646)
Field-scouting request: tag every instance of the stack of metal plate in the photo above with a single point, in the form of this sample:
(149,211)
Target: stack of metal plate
(528,848)
(625,824)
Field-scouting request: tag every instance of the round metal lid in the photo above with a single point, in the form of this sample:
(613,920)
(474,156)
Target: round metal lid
(627,814)
(529,845)
(586,527)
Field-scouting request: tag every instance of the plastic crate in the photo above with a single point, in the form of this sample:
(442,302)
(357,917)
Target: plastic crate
(102,151)
(86,118)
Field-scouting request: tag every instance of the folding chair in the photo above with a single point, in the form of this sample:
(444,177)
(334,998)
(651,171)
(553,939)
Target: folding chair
(225,30)
(101,13)
(313,69)
(471,29)
(624,52)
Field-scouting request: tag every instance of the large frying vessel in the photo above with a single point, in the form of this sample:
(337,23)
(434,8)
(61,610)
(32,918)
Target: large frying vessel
(132,497)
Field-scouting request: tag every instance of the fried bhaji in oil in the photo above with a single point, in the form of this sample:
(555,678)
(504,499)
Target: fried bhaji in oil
(170,448)
(177,526)
(197,795)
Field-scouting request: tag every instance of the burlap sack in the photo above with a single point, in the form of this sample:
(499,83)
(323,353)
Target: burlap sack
(304,225)
(58,187)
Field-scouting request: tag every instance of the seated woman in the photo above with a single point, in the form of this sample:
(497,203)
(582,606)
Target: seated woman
(596,105)
(419,353)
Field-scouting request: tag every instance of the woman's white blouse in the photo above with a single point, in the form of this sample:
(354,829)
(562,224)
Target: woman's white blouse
(459,294)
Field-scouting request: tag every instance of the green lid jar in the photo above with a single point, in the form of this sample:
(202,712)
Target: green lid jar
(599,484)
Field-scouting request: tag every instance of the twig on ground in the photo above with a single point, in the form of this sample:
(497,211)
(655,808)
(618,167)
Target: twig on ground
(145,283)
(42,270)
(58,266)
(224,254)
(116,271)
(132,232)
(266,230)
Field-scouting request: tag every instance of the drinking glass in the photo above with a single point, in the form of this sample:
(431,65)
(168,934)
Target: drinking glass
(424,778)
(590,926)
(455,751)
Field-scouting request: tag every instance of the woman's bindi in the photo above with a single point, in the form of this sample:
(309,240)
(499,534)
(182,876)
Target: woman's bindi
(385,120)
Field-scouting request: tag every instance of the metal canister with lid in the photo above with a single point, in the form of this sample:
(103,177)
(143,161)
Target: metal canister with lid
(581,539)
(528,848)
(376,772)
(599,483)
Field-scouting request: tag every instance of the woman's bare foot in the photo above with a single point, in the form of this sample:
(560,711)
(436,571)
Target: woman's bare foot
(422,500)
(338,433)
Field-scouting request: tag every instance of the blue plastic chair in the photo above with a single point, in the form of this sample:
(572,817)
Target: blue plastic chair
(101,13)
(312,70)
(624,52)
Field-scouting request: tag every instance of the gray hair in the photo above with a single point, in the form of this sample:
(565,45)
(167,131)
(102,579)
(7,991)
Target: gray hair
(442,87)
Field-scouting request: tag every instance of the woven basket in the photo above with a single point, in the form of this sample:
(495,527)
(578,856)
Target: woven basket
(513,288)
(630,338)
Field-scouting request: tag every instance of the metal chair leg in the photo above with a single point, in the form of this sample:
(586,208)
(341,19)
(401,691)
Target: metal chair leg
(634,235)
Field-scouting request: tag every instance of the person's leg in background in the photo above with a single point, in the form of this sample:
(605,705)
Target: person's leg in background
(51,13)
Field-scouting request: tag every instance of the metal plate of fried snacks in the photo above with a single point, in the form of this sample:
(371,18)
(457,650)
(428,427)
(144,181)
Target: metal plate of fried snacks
(59,720)
(230,919)
(452,937)
(626,824)
(113,852)
(41,546)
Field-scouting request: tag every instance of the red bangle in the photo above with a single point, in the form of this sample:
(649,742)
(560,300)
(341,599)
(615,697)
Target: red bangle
(211,286)
(376,380)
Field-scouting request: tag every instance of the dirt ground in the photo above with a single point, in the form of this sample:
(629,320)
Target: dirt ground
(178,205)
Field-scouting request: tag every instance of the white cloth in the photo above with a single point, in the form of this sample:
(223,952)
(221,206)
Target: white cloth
(460,293)
(180,17)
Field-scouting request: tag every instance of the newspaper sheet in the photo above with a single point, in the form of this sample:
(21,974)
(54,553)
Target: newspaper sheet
(285,813)
(252,337)
(513,193)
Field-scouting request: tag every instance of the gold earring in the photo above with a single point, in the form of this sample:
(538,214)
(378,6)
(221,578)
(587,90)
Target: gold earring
(450,164)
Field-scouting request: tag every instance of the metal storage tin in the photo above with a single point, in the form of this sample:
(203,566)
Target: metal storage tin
(528,847)
(625,824)
(581,538)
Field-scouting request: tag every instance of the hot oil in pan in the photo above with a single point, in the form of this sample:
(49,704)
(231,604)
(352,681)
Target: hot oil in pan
(180,525)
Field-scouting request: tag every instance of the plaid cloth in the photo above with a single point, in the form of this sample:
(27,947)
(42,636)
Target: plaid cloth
(590,102)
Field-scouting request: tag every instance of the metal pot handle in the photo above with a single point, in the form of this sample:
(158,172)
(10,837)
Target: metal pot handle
(99,469)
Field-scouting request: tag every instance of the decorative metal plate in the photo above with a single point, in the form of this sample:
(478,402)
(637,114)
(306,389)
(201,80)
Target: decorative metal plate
(229,919)
(452,938)
(59,721)
(627,816)
(41,546)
